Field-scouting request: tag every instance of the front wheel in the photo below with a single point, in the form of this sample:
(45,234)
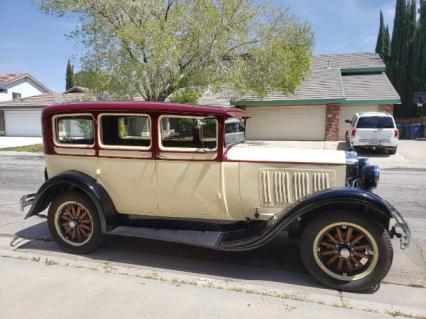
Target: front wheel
(346,250)
(74,223)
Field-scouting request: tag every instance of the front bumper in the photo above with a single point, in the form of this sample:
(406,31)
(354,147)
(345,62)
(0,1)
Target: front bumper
(27,200)
(400,228)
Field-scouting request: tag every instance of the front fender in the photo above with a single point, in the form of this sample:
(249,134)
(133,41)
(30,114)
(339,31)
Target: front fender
(367,202)
(74,180)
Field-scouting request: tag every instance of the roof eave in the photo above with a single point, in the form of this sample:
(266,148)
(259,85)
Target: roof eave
(299,102)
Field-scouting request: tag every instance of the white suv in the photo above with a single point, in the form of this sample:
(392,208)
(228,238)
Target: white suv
(373,130)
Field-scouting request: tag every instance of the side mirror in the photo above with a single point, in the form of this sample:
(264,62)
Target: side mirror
(348,121)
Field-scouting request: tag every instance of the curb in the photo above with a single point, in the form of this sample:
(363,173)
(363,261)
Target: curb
(289,293)
(25,155)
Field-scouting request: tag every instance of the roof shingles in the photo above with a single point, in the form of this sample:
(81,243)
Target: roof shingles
(326,82)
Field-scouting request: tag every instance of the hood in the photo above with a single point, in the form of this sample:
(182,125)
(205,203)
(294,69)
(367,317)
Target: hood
(271,152)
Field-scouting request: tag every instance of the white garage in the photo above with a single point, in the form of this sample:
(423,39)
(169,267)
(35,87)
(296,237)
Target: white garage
(291,123)
(348,111)
(22,122)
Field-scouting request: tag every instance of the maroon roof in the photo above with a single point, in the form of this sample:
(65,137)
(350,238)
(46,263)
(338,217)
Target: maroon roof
(101,106)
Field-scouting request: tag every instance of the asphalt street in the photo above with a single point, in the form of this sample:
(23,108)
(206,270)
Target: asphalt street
(275,265)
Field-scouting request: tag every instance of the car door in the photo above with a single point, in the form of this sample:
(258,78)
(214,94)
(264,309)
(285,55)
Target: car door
(125,166)
(189,177)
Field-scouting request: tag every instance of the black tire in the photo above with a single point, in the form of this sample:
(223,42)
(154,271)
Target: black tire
(92,239)
(373,273)
(392,150)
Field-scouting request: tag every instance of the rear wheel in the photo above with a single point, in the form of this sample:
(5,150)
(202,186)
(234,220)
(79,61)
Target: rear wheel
(347,251)
(392,150)
(74,223)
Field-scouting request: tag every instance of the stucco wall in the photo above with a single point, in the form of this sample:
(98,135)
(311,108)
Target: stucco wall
(24,86)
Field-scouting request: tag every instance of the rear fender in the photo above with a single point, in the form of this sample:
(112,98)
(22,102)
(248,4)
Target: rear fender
(74,181)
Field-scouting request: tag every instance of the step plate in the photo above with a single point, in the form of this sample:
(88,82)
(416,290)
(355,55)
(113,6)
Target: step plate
(189,237)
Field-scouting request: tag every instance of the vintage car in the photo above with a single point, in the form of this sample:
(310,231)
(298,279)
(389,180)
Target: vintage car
(185,174)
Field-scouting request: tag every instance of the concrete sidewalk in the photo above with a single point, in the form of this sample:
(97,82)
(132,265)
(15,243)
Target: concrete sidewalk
(48,290)
(90,282)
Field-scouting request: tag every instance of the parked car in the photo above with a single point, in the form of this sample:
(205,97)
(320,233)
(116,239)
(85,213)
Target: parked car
(186,174)
(373,130)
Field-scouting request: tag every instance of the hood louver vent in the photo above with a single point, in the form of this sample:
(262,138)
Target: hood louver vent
(279,188)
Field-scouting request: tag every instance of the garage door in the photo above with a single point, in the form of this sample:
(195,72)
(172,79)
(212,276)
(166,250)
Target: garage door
(286,123)
(22,123)
(347,112)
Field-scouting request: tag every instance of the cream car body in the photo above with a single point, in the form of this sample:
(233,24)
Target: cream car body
(185,174)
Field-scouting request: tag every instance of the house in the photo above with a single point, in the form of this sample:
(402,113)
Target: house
(14,86)
(22,117)
(338,86)
(20,85)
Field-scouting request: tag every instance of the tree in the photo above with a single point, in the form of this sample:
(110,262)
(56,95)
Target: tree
(69,77)
(387,48)
(381,38)
(408,69)
(420,50)
(395,64)
(155,48)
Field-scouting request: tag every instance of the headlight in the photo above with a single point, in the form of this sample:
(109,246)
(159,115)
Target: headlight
(369,177)
(362,162)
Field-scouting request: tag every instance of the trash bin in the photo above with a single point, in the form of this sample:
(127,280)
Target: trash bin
(401,130)
(418,130)
(413,131)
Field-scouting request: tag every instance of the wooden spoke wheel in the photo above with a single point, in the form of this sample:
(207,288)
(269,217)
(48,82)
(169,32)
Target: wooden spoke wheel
(74,223)
(345,251)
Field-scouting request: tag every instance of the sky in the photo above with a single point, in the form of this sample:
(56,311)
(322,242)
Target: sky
(36,43)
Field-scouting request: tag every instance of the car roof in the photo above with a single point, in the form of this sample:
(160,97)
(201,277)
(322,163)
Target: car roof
(161,107)
(384,114)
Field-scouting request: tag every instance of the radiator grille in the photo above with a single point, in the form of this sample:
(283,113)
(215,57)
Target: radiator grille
(301,187)
(320,181)
(279,187)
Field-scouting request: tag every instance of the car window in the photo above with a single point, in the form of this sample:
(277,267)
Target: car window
(188,132)
(75,130)
(123,130)
(234,131)
(375,122)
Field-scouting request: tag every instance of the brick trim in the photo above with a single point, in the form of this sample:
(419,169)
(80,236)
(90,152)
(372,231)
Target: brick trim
(386,108)
(332,118)
(2,125)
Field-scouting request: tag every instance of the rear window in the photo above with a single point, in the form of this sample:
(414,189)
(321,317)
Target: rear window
(375,122)
(75,130)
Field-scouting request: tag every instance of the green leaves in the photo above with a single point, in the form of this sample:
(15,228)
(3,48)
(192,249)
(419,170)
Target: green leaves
(155,48)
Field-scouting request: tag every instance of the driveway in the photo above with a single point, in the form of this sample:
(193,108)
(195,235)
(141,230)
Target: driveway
(11,141)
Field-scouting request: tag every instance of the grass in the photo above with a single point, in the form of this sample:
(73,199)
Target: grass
(34,148)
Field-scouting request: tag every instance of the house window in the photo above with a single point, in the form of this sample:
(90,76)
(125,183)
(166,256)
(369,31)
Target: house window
(126,130)
(188,132)
(3,90)
(75,130)
(16,95)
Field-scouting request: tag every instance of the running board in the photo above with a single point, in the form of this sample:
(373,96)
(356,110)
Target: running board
(199,238)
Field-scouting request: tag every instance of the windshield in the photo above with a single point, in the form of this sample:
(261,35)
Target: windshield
(375,122)
(234,131)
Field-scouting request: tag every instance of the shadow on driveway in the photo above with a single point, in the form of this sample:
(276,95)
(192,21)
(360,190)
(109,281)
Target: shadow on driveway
(277,262)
